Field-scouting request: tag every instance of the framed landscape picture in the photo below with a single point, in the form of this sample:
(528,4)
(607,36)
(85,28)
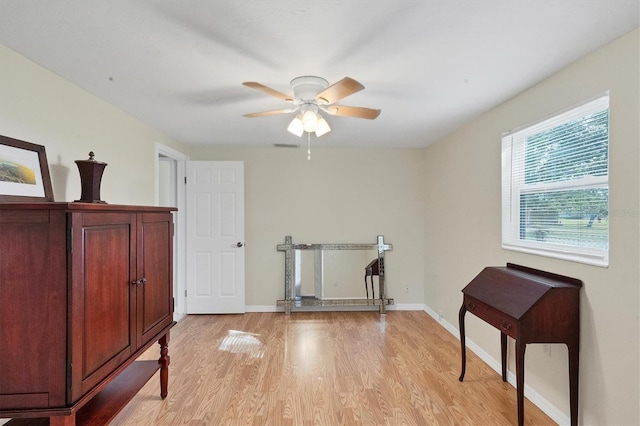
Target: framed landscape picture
(24,171)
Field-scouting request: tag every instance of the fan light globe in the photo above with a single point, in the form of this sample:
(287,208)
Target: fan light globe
(295,126)
(309,121)
(322,127)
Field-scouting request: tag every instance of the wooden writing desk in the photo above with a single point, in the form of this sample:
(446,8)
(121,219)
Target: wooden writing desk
(531,306)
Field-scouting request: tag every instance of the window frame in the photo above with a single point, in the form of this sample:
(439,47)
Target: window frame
(513,147)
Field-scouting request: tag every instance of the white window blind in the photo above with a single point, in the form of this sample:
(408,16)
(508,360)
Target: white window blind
(555,185)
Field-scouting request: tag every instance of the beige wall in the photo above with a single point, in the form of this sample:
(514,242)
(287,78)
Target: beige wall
(462,234)
(340,196)
(39,107)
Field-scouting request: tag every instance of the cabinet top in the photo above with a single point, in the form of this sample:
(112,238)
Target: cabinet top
(76,206)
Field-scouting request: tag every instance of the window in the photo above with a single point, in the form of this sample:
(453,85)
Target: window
(555,186)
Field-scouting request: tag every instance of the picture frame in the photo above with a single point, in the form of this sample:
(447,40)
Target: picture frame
(24,172)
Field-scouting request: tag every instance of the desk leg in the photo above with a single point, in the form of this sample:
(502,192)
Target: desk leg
(381,289)
(520,349)
(373,289)
(503,353)
(366,286)
(573,381)
(463,351)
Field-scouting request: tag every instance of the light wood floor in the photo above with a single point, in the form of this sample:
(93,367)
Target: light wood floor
(329,368)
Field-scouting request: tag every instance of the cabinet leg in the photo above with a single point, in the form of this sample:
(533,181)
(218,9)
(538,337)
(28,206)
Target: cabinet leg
(164,362)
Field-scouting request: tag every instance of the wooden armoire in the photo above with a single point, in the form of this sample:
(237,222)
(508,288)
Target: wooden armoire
(85,289)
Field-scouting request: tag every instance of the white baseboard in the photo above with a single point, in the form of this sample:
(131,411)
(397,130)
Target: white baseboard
(263,308)
(547,407)
(399,307)
(406,307)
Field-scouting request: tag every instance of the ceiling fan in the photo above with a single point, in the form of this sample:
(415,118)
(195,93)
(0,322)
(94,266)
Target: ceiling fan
(312,94)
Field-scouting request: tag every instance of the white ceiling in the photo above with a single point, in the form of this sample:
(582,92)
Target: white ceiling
(430,65)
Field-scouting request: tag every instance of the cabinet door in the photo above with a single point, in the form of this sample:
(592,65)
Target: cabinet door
(155,271)
(102,319)
(33,306)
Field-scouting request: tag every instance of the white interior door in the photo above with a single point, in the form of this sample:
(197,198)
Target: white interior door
(215,237)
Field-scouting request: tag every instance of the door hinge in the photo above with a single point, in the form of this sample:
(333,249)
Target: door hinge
(185,180)
(185,293)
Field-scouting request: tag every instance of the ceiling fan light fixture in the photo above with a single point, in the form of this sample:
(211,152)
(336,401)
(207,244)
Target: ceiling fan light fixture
(311,95)
(295,126)
(323,127)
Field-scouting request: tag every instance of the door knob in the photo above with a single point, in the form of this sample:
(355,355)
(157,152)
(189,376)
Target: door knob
(239,244)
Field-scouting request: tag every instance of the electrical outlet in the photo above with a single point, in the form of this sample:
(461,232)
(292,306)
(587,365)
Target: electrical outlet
(406,289)
(547,350)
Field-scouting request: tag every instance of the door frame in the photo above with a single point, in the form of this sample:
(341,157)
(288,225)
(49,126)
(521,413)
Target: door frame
(180,236)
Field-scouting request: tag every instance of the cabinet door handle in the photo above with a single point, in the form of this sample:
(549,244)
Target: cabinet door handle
(135,282)
(472,306)
(505,325)
(143,280)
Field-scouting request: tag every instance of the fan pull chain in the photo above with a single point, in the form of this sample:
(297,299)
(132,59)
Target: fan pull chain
(308,146)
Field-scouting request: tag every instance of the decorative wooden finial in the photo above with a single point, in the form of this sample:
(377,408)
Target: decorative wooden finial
(90,178)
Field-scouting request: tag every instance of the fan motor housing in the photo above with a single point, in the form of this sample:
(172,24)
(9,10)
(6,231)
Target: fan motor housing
(306,88)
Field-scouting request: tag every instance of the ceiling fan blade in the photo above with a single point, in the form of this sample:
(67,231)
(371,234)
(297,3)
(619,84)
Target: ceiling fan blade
(343,88)
(268,90)
(349,111)
(266,113)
